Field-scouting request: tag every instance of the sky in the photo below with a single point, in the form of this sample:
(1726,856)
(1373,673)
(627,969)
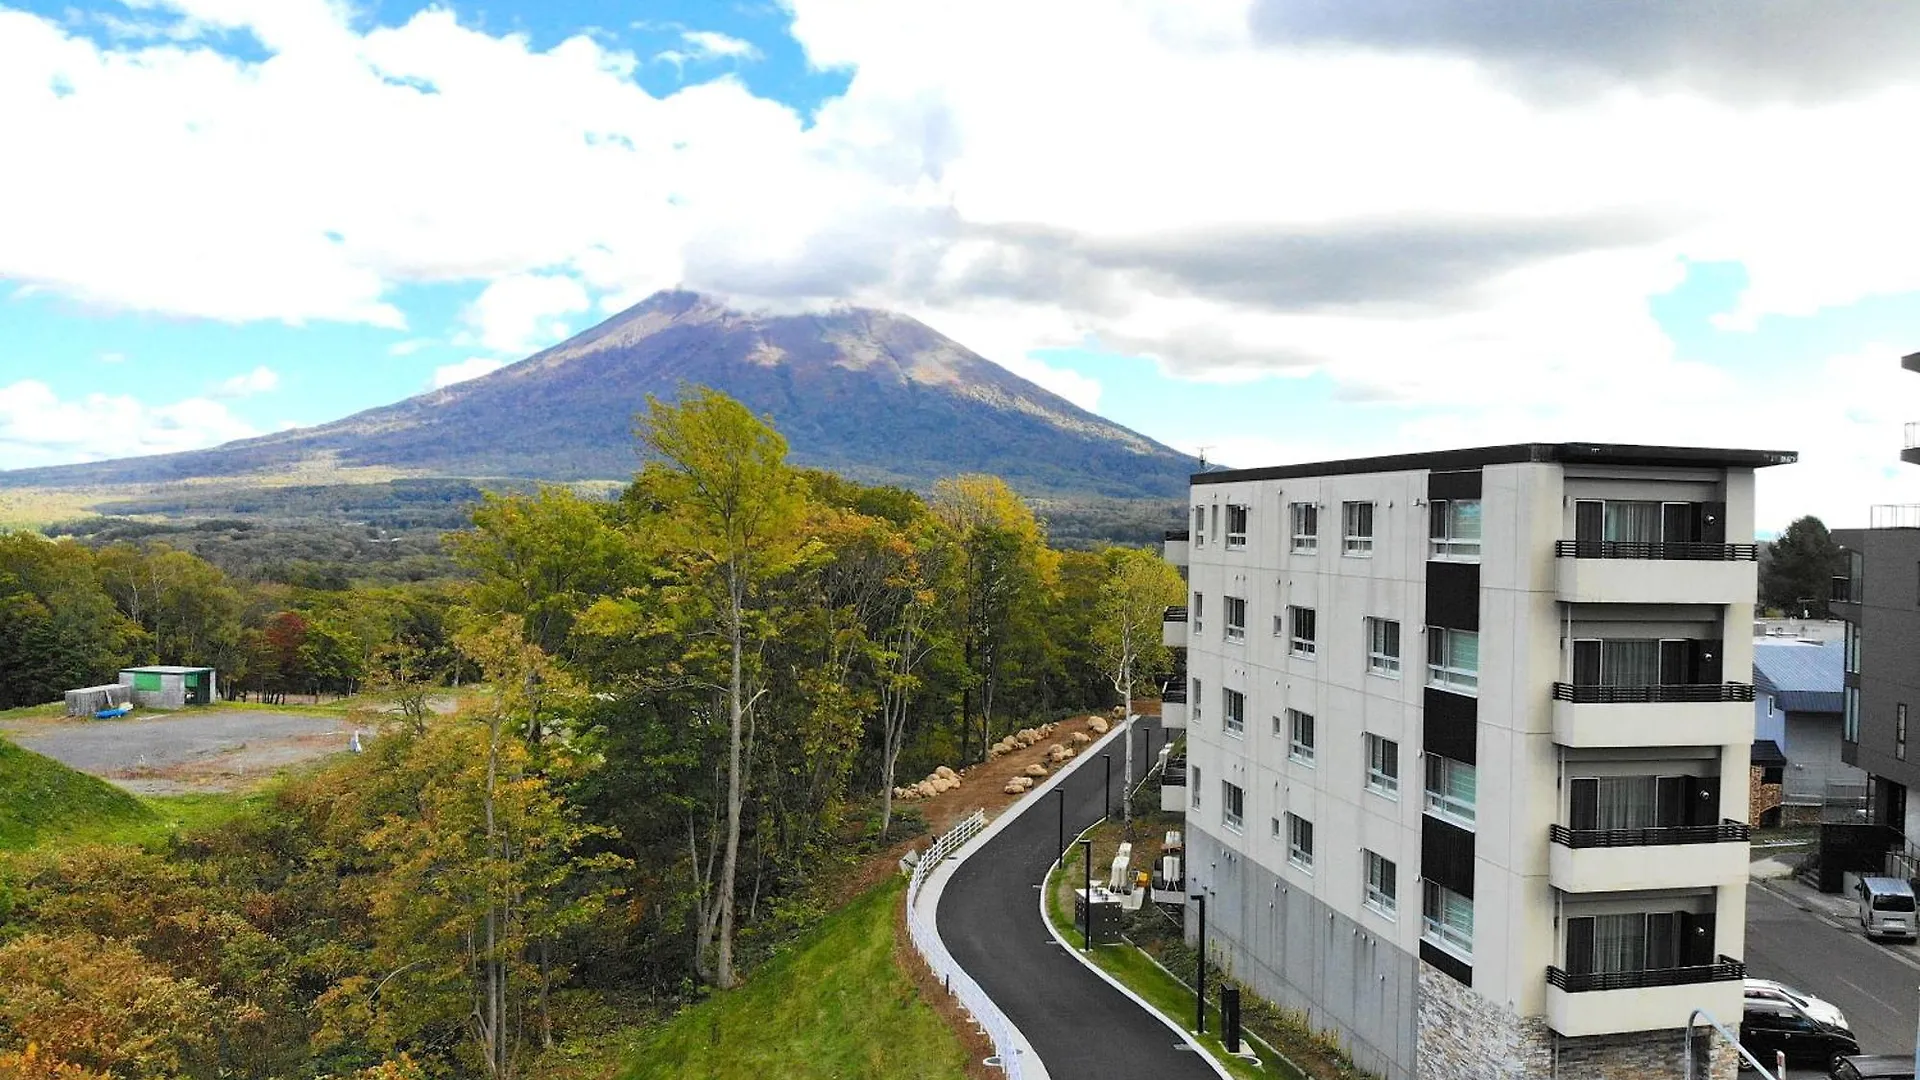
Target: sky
(1275,230)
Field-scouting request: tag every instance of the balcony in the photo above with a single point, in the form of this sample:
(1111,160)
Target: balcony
(1705,714)
(1674,857)
(1173,709)
(1173,787)
(1175,551)
(1623,572)
(1910,449)
(1615,1002)
(1173,628)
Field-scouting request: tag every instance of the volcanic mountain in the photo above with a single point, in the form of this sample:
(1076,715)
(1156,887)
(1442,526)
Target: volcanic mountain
(872,395)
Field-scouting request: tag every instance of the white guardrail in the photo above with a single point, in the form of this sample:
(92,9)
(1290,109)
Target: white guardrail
(927,940)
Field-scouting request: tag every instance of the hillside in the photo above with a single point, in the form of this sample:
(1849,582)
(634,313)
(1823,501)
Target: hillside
(875,396)
(44,796)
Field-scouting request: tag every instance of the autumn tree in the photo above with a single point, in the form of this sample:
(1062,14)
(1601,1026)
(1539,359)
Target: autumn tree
(1140,586)
(729,516)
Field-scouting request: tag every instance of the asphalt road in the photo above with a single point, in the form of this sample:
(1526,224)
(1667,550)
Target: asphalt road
(1876,985)
(989,916)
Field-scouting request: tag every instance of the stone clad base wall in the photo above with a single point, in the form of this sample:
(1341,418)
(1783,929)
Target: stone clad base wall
(1466,1037)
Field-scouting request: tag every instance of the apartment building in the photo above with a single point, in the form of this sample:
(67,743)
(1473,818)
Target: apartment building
(1467,753)
(1878,595)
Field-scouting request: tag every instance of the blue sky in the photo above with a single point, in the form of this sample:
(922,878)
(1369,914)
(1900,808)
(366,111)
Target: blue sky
(1223,222)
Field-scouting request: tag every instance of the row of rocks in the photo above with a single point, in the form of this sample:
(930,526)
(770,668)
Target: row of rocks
(937,781)
(1020,740)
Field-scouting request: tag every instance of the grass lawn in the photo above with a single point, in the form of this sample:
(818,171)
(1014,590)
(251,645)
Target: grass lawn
(1138,972)
(45,798)
(832,1007)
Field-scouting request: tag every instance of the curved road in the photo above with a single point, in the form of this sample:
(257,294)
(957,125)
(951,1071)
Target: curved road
(989,917)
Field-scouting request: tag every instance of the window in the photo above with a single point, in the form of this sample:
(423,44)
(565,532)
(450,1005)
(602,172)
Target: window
(1215,524)
(1453,660)
(1446,920)
(1621,662)
(1300,736)
(1302,644)
(1193,781)
(1900,731)
(1599,944)
(1306,527)
(1853,649)
(1233,716)
(1232,804)
(1194,699)
(1300,842)
(1769,704)
(1236,526)
(1383,766)
(1383,884)
(1196,612)
(1357,529)
(1383,647)
(1850,723)
(1454,528)
(1236,618)
(1450,789)
(1613,803)
(1199,526)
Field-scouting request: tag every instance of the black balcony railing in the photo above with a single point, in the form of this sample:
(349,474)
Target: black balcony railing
(1176,774)
(1652,695)
(1638,549)
(1727,832)
(1726,970)
(1174,695)
(1181,535)
(1174,614)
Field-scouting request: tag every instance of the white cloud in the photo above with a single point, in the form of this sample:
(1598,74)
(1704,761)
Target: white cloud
(38,427)
(471,368)
(519,314)
(713,45)
(258,381)
(408,347)
(113,358)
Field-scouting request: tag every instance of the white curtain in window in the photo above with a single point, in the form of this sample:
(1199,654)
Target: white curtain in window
(1636,522)
(1625,802)
(1619,942)
(1630,662)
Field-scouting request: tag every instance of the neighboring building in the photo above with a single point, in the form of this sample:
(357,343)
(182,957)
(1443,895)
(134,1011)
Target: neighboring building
(1812,630)
(1467,777)
(1799,691)
(163,687)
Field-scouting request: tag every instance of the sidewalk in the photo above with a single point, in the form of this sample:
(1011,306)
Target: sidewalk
(1777,875)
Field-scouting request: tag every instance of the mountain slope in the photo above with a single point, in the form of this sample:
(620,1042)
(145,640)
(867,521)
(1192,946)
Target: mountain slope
(875,396)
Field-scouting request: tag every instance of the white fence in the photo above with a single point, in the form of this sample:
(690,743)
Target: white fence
(994,1022)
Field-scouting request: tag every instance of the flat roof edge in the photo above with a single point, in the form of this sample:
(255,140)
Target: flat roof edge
(1623,454)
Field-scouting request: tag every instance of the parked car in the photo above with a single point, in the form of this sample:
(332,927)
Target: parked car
(1769,1026)
(1819,1009)
(1886,908)
(1873,1067)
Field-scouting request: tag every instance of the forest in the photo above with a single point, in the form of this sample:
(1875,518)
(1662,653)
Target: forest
(693,701)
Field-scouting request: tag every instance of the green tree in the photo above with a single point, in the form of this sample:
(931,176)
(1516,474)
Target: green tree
(1126,629)
(730,511)
(1797,574)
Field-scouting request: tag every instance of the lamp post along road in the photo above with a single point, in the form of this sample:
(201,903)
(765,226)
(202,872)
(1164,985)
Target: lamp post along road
(1086,852)
(1200,976)
(1060,848)
(1106,807)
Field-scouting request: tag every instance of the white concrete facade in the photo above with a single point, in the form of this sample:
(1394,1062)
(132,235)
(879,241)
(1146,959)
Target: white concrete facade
(1532,605)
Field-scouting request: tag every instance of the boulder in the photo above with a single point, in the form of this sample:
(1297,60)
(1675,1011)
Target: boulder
(1025,782)
(1014,787)
(1079,738)
(946,772)
(1119,712)
(1036,770)
(1097,726)
(926,790)
(1057,753)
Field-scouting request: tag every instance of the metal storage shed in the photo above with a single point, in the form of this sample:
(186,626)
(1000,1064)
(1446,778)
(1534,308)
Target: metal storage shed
(163,687)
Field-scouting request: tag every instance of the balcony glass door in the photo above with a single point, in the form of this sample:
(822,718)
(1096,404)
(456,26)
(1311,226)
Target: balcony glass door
(1616,662)
(1606,944)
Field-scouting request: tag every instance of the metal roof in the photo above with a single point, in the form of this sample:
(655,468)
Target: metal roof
(165,669)
(1802,677)
(1620,454)
(1766,754)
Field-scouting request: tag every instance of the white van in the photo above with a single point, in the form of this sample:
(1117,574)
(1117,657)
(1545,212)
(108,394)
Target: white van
(1886,908)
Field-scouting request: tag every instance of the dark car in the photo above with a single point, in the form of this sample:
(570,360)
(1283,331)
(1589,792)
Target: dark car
(1769,1026)
(1874,1067)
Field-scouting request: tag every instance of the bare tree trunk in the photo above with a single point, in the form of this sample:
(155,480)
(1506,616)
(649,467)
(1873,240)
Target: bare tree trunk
(1126,770)
(493,1032)
(729,866)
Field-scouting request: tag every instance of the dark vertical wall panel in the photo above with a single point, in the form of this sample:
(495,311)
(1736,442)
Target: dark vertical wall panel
(1453,595)
(1464,484)
(1451,726)
(1446,855)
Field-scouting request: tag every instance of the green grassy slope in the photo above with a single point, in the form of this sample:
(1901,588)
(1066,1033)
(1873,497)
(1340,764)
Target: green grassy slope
(833,1006)
(38,795)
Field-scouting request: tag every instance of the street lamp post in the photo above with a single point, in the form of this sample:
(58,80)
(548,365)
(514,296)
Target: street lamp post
(1086,853)
(1060,848)
(1200,979)
(1106,806)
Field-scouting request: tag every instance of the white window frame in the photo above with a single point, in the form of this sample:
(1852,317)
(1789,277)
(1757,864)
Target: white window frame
(1444,534)
(1383,647)
(1193,702)
(1195,781)
(1353,543)
(1199,526)
(1441,673)
(1442,799)
(1383,766)
(1305,751)
(1850,717)
(1236,624)
(1300,842)
(1197,612)
(1305,518)
(1237,540)
(1381,885)
(1303,647)
(1439,927)
(1233,806)
(1233,712)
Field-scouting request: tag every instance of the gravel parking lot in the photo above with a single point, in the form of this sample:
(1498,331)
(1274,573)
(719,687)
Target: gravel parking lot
(168,753)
